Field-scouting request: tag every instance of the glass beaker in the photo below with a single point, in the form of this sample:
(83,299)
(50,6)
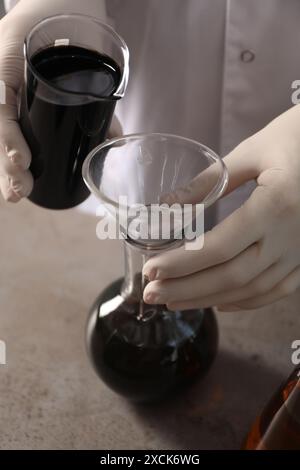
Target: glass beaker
(76,68)
(146,351)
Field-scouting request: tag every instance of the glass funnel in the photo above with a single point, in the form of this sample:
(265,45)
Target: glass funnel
(145,181)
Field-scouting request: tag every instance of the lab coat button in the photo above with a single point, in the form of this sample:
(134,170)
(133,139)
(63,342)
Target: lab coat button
(247,55)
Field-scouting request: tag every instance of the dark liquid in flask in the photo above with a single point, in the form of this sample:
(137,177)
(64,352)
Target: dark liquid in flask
(148,361)
(62,128)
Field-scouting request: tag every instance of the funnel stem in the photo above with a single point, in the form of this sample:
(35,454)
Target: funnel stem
(135,283)
(143,315)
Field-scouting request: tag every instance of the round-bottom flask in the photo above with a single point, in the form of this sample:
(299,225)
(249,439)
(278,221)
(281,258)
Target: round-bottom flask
(147,359)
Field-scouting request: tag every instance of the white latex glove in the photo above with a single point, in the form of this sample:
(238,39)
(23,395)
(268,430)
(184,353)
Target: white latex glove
(252,258)
(15,179)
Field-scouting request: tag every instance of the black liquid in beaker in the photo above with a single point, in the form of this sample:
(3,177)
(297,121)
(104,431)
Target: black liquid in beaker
(61,127)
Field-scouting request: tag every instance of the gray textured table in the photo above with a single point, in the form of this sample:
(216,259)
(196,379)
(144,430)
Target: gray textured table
(52,267)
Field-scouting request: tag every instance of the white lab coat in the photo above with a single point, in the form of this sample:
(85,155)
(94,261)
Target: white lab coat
(213,70)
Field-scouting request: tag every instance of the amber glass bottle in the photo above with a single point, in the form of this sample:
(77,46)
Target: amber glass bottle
(278,427)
